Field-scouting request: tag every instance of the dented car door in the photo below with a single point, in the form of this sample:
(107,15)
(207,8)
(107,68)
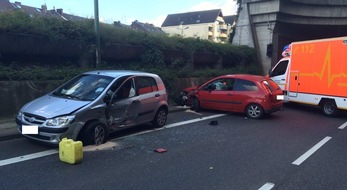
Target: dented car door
(123,108)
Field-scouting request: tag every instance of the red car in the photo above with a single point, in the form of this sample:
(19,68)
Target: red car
(250,94)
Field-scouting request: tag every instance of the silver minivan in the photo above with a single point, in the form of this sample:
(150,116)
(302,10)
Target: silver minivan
(94,104)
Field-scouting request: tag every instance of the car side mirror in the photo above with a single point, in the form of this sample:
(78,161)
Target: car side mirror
(107,99)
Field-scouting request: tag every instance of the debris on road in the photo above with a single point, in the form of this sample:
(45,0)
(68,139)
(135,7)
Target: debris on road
(214,123)
(160,150)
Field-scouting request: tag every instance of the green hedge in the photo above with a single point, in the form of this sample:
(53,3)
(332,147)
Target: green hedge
(242,59)
(168,74)
(82,32)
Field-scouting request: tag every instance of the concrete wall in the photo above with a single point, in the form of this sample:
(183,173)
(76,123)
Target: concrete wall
(14,94)
(254,28)
(243,31)
(281,22)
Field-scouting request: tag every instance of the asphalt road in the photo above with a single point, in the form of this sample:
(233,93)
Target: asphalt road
(297,148)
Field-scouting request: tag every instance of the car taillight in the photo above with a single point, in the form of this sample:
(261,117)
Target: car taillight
(266,88)
(269,92)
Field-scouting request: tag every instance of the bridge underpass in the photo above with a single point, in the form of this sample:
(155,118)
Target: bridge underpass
(280,22)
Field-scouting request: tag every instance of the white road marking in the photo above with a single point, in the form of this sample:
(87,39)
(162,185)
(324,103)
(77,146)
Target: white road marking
(194,120)
(105,146)
(55,151)
(267,186)
(343,126)
(194,112)
(28,157)
(303,157)
(173,125)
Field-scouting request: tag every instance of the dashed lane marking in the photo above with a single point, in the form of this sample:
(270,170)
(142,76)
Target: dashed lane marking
(28,157)
(194,120)
(303,157)
(343,126)
(267,186)
(173,125)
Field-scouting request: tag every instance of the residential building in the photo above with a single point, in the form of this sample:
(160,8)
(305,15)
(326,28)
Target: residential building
(6,5)
(209,25)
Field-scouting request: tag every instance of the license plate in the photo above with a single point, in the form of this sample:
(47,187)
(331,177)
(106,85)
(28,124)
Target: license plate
(280,97)
(30,129)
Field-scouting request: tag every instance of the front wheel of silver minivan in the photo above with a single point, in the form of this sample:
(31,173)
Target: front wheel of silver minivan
(95,133)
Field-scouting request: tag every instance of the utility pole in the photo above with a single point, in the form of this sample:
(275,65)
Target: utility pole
(183,28)
(97,32)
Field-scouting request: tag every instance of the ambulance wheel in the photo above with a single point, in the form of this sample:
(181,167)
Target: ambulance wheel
(254,111)
(329,108)
(95,133)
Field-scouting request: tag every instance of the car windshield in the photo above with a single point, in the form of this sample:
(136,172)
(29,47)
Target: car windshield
(84,87)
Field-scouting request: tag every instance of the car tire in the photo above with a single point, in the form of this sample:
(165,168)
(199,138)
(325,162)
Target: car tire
(254,111)
(196,105)
(160,118)
(329,108)
(95,133)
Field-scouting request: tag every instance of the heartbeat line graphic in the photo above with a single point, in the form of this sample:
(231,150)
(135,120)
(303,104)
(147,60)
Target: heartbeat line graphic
(327,66)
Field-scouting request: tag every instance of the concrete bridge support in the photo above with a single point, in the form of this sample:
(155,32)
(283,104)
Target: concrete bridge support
(280,22)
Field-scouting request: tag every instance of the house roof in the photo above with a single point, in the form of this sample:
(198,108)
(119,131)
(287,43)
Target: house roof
(145,27)
(33,11)
(190,18)
(71,17)
(121,25)
(6,5)
(229,19)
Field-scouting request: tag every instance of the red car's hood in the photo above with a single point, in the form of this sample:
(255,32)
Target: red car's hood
(190,88)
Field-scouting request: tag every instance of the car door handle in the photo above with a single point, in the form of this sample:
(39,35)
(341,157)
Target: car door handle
(157,95)
(283,79)
(229,94)
(136,101)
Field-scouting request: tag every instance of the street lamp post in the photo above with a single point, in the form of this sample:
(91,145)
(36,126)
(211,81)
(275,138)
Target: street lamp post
(182,28)
(97,32)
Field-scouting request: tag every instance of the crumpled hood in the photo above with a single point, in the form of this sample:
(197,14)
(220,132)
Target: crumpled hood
(190,88)
(49,106)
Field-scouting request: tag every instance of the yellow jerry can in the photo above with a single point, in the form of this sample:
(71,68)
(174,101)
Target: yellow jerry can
(70,151)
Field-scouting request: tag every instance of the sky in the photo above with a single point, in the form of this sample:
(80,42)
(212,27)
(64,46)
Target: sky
(127,11)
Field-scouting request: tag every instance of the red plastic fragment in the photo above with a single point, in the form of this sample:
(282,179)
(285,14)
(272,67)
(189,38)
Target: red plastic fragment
(160,150)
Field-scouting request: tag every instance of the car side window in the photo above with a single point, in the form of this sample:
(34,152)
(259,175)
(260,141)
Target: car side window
(127,90)
(230,83)
(223,84)
(146,85)
(245,85)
